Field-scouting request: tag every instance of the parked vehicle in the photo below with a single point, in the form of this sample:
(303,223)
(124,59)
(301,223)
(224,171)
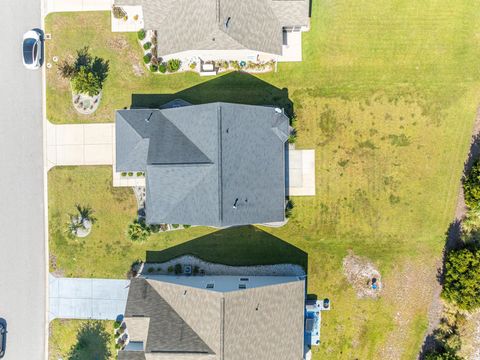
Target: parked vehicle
(3,339)
(32,49)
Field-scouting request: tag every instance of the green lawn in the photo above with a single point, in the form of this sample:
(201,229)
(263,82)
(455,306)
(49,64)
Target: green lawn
(387,95)
(63,336)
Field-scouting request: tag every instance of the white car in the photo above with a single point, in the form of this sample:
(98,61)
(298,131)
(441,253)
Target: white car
(32,49)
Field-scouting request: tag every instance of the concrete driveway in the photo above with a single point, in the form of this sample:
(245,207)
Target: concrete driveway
(80,144)
(99,299)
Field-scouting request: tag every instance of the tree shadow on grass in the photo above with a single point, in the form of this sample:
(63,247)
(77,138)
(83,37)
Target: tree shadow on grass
(93,342)
(236,246)
(235,87)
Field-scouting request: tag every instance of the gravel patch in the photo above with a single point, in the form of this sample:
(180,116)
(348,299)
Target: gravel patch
(220,269)
(360,274)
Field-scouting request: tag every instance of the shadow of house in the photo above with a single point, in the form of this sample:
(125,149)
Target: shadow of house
(237,246)
(234,87)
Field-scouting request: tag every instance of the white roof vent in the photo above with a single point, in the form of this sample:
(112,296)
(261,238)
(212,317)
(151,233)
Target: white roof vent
(278,110)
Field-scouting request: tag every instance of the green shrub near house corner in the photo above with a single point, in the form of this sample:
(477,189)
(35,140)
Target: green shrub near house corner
(162,68)
(173,65)
(147,45)
(141,34)
(153,68)
(147,58)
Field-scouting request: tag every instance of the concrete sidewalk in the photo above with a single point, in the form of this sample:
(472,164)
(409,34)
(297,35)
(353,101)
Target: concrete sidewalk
(80,144)
(76,5)
(75,298)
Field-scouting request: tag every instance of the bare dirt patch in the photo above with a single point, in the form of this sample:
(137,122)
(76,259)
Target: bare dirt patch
(138,69)
(117,43)
(362,275)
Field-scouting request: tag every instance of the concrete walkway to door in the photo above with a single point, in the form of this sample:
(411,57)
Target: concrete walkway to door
(80,144)
(98,299)
(76,5)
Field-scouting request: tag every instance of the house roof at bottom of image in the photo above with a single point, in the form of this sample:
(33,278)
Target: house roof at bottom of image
(184,322)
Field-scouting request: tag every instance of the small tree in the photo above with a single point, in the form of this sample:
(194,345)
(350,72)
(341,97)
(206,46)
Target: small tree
(93,342)
(138,231)
(462,274)
(86,74)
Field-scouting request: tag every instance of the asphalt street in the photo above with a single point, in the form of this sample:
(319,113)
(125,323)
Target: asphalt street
(22,234)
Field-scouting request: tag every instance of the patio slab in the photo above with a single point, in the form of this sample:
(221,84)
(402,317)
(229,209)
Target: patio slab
(301,173)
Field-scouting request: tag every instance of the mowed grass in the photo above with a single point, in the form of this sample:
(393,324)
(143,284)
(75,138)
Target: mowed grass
(387,95)
(63,336)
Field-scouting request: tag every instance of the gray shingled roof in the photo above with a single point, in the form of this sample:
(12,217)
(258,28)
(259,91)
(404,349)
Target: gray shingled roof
(202,24)
(201,160)
(258,323)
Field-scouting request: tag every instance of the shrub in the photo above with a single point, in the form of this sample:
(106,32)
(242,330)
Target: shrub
(118,12)
(471,186)
(138,231)
(462,271)
(123,173)
(147,45)
(153,68)
(235,65)
(147,58)
(175,226)
(289,209)
(173,65)
(186,226)
(178,269)
(117,324)
(155,228)
(150,269)
(292,138)
(130,173)
(159,269)
(139,173)
(141,34)
(170,269)
(196,270)
(162,68)
(193,65)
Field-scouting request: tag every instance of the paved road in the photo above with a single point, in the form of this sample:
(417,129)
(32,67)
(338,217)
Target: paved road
(22,250)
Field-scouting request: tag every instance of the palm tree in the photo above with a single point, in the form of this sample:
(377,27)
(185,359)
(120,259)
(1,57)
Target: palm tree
(85,214)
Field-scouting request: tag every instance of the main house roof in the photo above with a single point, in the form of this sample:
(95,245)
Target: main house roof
(221,24)
(174,320)
(216,164)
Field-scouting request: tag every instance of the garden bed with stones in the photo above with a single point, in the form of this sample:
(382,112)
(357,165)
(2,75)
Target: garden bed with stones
(208,268)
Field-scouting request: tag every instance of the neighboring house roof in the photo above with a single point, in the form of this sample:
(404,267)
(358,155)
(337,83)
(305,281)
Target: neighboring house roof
(191,323)
(216,164)
(221,24)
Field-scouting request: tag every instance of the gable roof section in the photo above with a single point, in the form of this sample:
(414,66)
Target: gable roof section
(167,331)
(184,25)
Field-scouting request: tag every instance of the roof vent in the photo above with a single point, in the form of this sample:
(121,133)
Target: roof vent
(278,110)
(227,22)
(235,203)
(149,116)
